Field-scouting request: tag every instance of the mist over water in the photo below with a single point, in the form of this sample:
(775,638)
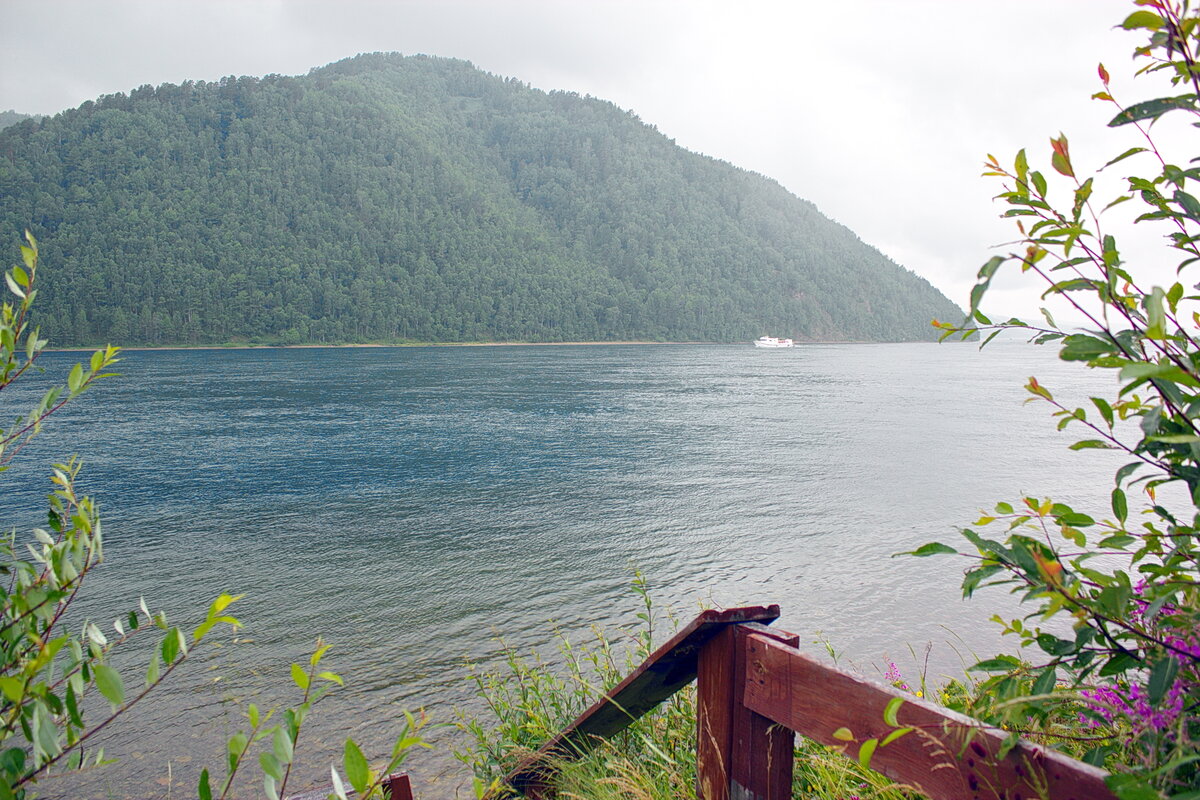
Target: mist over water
(410,503)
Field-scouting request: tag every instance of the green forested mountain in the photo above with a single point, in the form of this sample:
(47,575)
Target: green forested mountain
(391,198)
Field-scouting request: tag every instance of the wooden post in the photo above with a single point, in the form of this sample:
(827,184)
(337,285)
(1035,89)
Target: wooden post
(674,665)
(740,755)
(714,716)
(399,787)
(763,751)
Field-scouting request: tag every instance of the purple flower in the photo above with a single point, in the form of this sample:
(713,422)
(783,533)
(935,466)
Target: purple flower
(1133,705)
(894,677)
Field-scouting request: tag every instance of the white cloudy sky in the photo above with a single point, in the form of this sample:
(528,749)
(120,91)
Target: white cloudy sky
(879,111)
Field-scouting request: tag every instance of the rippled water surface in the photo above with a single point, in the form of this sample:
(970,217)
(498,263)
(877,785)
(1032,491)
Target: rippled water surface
(409,503)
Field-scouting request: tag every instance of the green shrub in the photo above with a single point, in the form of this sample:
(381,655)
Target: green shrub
(1120,681)
(48,671)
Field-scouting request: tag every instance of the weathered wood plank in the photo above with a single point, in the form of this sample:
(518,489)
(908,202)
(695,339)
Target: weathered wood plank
(763,752)
(948,756)
(666,671)
(739,753)
(714,716)
(398,786)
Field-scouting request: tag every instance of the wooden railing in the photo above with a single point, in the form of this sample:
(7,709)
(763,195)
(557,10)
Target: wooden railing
(755,689)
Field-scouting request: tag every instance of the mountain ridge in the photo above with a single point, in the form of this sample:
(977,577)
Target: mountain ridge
(394,198)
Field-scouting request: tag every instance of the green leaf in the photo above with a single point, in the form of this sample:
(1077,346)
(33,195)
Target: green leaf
(152,672)
(1021,166)
(1174,295)
(318,654)
(1075,519)
(1045,680)
(73,706)
(1133,151)
(983,280)
(108,681)
(866,751)
(930,549)
(281,746)
(271,766)
(1131,787)
(75,379)
(1061,164)
(998,664)
(843,734)
(12,285)
(204,789)
(1092,444)
(1039,182)
(235,747)
(12,688)
(1152,109)
(1156,315)
(357,771)
(170,646)
(1081,347)
(1142,19)
(1118,664)
(300,677)
(1120,506)
(222,602)
(889,712)
(1124,472)
(332,677)
(1162,678)
(894,735)
(1189,204)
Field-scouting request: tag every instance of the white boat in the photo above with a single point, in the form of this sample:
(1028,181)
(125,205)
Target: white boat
(771,341)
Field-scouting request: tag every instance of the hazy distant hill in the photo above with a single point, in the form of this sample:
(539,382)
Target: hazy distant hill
(385,198)
(11,117)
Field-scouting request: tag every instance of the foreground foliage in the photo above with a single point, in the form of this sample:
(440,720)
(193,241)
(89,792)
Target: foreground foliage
(53,665)
(1119,684)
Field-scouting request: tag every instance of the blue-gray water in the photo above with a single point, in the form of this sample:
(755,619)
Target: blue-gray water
(408,503)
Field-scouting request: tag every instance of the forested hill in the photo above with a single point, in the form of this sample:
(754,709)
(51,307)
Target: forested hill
(389,198)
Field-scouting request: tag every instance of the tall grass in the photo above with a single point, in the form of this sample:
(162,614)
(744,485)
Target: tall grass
(530,698)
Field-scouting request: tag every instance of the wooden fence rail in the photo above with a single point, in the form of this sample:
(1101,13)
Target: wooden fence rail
(755,689)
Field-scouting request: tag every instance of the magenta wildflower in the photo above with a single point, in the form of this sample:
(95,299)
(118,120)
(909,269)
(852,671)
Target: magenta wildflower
(1133,705)
(894,677)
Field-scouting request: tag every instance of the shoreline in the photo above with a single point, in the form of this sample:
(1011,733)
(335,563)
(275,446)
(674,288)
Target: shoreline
(434,344)
(349,346)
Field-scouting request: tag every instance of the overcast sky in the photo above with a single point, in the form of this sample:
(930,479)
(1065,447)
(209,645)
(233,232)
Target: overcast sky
(878,111)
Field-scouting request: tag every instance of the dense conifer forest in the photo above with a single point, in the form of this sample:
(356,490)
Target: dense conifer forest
(387,198)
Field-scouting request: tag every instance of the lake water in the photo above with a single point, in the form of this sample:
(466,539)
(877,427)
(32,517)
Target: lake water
(410,503)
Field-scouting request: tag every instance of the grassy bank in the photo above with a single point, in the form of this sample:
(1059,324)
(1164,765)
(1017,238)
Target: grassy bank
(531,697)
